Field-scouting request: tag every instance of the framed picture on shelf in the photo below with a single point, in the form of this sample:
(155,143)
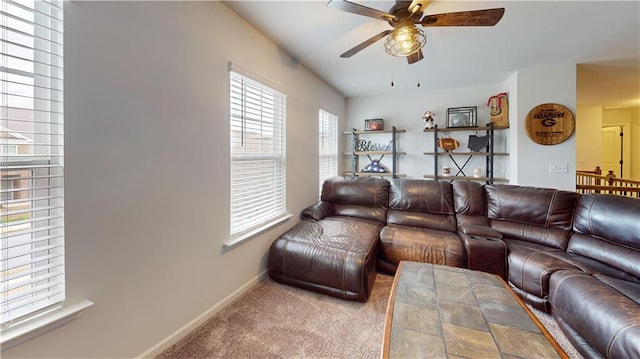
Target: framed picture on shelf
(462,117)
(376,124)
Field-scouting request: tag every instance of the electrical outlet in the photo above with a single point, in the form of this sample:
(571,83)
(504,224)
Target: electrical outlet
(558,167)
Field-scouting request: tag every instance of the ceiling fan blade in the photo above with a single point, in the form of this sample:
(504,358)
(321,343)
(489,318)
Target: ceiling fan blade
(366,43)
(415,57)
(354,8)
(487,17)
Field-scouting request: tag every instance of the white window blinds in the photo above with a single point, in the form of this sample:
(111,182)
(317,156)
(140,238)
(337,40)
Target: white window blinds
(258,154)
(328,145)
(31,136)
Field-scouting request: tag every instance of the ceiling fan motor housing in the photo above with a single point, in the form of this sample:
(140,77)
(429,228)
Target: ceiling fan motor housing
(401,11)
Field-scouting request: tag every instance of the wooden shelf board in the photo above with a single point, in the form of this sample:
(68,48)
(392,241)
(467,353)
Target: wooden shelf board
(467,153)
(361,153)
(360,132)
(449,129)
(495,179)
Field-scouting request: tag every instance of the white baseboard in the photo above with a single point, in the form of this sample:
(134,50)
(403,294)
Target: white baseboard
(199,320)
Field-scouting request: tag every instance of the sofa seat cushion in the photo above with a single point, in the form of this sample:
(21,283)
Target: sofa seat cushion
(597,313)
(335,256)
(398,243)
(593,267)
(531,266)
(630,289)
(525,245)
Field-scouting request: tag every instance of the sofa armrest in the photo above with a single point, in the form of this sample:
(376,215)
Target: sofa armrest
(318,211)
(486,254)
(479,231)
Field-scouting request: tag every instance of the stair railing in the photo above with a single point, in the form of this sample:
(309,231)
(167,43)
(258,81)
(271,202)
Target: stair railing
(595,182)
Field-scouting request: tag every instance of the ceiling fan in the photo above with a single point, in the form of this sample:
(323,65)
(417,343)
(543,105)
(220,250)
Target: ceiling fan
(406,40)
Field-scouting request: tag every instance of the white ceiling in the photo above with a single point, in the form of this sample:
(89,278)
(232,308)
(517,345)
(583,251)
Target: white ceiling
(602,35)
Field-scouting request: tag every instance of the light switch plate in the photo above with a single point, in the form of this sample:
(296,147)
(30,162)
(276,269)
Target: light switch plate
(558,167)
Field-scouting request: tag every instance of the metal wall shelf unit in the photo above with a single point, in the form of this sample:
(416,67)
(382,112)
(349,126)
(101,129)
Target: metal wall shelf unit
(488,153)
(393,152)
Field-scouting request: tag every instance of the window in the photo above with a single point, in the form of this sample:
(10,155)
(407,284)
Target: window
(258,156)
(8,150)
(31,141)
(328,145)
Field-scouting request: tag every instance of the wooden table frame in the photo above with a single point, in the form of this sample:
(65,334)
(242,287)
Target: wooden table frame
(386,344)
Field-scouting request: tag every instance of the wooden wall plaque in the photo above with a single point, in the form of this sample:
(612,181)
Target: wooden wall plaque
(550,124)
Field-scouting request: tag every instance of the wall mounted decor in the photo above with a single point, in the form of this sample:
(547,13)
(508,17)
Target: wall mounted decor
(462,116)
(550,124)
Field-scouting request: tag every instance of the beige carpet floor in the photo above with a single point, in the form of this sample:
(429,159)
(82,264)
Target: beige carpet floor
(277,321)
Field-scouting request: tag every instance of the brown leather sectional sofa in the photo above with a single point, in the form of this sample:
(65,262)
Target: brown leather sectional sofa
(574,256)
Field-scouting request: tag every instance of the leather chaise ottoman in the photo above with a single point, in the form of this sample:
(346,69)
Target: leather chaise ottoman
(335,256)
(333,250)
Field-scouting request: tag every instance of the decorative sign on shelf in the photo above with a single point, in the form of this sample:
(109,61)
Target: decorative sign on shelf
(550,124)
(478,143)
(364,145)
(499,106)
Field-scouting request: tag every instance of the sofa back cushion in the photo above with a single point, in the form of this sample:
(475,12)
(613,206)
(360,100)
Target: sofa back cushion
(360,197)
(470,203)
(422,203)
(533,214)
(607,229)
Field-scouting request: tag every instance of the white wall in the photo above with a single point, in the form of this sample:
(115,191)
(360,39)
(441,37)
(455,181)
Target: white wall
(147,168)
(511,87)
(538,85)
(588,138)
(635,144)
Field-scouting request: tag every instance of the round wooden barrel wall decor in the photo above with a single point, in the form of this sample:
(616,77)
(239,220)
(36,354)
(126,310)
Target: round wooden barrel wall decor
(550,124)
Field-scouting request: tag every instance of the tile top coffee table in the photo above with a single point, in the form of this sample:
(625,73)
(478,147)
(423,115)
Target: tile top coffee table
(446,312)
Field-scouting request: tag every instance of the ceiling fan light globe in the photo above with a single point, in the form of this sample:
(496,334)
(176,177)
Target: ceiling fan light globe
(404,41)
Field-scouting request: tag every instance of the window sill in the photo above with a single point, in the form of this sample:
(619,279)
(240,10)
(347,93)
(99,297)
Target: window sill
(38,325)
(236,241)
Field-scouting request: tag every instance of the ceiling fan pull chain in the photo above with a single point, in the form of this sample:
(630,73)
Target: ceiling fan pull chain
(392,72)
